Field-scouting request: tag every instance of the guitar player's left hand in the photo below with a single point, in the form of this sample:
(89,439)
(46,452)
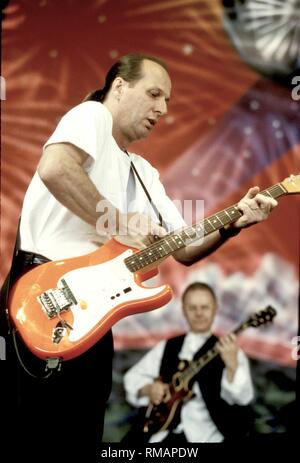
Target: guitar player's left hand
(228,350)
(255,208)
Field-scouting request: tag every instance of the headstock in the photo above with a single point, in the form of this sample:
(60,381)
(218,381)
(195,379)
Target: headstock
(261,317)
(291,184)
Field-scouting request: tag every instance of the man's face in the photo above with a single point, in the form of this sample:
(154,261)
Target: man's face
(199,308)
(142,104)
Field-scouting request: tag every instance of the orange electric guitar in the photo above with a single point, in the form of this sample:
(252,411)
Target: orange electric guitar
(62,308)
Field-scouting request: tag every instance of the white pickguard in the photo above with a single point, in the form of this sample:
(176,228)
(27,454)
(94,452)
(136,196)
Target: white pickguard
(94,286)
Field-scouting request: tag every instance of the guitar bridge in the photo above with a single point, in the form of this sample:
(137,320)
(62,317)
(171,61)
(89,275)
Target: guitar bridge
(57,300)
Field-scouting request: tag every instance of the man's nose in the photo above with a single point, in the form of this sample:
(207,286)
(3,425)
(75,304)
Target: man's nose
(161,107)
(199,311)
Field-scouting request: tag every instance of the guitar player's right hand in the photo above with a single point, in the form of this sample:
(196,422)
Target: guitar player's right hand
(138,230)
(157,392)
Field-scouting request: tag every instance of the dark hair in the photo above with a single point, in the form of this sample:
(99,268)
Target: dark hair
(199,285)
(129,68)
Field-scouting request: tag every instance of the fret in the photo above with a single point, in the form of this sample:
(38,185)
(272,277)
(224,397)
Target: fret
(279,190)
(182,239)
(171,243)
(165,247)
(144,261)
(208,228)
(199,228)
(151,256)
(186,236)
(192,232)
(174,242)
(178,240)
(211,222)
(275,191)
(223,217)
(217,221)
(226,213)
(141,261)
(155,253)
(267,193)
(131,264)
(233,213)
(168,244)
(198,231)
(160,250)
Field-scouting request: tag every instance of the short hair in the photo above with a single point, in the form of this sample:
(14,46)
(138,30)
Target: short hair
(129,67)
(199,285)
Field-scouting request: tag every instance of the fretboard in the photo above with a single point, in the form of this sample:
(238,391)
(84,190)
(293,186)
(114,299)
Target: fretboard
(171,243)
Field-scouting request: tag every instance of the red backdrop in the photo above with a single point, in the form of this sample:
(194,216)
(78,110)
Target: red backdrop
(227,129)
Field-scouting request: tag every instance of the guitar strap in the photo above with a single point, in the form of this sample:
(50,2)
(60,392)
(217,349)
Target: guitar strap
(20,257)
(9,280)
(162,223)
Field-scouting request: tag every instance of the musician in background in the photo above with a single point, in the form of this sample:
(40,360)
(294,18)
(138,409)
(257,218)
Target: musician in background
(84,181)
(222,389)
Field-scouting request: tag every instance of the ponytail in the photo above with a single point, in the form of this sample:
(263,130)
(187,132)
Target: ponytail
(96,95)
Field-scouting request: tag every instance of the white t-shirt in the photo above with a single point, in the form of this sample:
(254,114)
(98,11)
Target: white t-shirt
(49,228)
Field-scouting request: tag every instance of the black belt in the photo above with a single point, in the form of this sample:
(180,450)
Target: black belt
(31,258)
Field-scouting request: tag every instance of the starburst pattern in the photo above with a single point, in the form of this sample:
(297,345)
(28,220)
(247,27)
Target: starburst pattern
(47,76)
(266,32)
(208,145)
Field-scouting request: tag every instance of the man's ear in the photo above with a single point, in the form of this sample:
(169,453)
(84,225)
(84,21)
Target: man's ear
(117,87)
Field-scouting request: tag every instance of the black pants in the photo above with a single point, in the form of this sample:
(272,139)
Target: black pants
(63,414)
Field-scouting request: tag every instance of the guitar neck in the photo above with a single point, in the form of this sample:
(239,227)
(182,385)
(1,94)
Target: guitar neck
(196,365)
(171,243)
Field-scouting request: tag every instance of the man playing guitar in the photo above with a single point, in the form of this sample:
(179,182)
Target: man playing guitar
(221,391)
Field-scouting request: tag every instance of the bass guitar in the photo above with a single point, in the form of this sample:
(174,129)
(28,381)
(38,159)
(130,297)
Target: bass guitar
(61,308)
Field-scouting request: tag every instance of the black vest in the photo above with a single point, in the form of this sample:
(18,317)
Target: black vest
(231,420)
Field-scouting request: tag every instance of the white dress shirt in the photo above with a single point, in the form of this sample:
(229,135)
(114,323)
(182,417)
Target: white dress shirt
(195,418)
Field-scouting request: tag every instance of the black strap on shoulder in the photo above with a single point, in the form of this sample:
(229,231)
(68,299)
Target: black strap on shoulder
(10,277)
(162,223)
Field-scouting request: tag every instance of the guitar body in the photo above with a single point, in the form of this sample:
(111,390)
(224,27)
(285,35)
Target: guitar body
(166,415)
(103,291)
